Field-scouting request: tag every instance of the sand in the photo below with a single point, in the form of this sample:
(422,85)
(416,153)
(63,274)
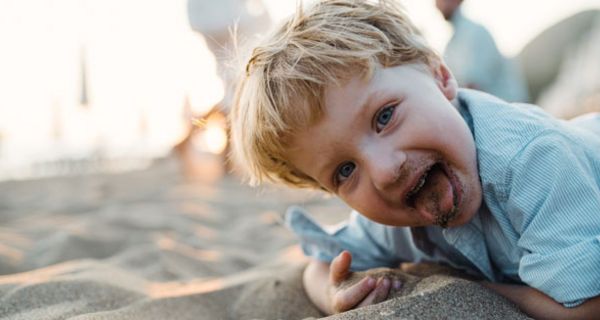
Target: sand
(153,244)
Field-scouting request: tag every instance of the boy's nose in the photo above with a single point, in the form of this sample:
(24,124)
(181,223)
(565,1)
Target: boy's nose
(385,168)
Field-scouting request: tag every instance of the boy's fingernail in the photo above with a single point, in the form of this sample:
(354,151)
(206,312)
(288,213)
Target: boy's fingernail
(385,282)
(371,282)
(397,284)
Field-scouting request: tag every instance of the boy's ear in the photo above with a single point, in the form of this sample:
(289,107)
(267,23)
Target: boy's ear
(445,80)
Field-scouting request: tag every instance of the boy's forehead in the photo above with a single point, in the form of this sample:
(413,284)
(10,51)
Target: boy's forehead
(354,89)
(362,87)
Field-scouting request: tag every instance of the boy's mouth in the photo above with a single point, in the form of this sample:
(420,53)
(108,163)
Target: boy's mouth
(435,195)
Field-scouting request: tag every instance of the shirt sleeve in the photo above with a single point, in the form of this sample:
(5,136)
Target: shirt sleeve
(371,244)
(554,203)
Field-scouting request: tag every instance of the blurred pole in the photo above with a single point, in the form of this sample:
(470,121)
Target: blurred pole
(83,97)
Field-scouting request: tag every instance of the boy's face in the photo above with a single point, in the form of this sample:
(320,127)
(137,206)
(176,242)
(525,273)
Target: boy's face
(395,148)
(447,7)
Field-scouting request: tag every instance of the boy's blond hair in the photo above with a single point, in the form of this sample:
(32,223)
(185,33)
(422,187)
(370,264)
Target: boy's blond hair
(282,89)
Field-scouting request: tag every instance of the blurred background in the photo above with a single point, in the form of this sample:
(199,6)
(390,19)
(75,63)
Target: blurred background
(114,205)
(90,85)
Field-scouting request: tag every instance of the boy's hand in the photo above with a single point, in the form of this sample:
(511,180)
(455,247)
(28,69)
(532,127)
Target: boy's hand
(349,292)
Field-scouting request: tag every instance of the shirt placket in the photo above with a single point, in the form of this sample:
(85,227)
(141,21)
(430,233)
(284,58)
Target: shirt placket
(469,240)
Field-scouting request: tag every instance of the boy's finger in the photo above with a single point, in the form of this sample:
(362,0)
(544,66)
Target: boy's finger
(340,267)
(380,293)
(348,298)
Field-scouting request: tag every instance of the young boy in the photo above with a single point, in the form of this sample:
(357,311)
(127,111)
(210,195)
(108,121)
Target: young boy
(347,97)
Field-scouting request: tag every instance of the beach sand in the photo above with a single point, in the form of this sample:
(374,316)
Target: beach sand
(153,244)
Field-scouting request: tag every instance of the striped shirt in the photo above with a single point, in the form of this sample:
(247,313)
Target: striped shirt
(539,223)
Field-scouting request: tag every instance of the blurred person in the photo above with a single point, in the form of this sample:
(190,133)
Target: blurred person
(562,39)
(576,89)
(475,60)
(223,25)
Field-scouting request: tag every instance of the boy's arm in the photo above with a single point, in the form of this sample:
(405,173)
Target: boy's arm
(322,284)
(552,200)
(540,306)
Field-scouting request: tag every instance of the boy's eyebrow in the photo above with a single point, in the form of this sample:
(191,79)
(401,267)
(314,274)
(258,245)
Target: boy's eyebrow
(323,172)
(365,107)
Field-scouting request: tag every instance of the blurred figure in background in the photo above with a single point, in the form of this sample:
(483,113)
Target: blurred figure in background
(223,24)
(576,88)
(475,60)
(217,21)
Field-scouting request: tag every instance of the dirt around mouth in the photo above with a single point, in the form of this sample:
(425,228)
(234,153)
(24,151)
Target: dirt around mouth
(443,219)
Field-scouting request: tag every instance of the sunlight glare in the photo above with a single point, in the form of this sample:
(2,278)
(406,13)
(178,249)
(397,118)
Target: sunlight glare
(212,136)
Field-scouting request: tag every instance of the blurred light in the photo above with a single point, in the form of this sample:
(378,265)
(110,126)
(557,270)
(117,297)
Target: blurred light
(216,139)
(213,137)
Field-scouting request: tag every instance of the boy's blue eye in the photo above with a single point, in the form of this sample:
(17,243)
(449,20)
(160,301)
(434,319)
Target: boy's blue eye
(383,117)
(344,171)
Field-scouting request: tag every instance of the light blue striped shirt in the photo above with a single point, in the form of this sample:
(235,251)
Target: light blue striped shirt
(540,219)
